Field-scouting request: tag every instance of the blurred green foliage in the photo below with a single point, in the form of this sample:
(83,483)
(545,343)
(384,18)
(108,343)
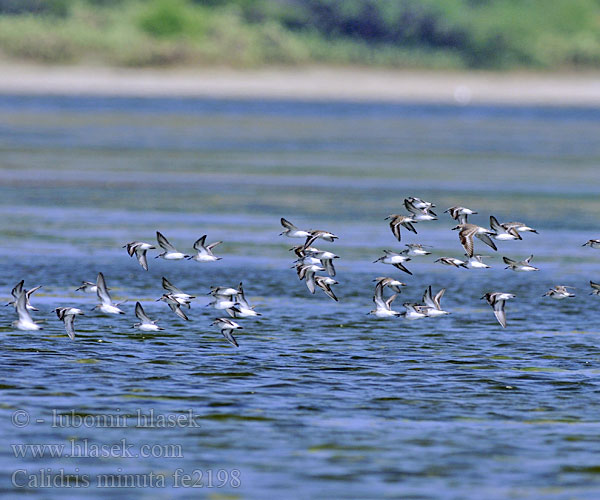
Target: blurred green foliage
(488,34)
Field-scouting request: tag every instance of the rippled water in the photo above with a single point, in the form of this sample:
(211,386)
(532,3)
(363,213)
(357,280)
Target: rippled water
(320,400)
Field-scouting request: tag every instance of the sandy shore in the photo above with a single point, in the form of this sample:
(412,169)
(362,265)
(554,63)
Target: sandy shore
(308,83)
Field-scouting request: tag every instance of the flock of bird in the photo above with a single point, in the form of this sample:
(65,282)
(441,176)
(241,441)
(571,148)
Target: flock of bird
(310,261)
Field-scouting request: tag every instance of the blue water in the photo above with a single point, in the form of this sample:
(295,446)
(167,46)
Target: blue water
(320,400)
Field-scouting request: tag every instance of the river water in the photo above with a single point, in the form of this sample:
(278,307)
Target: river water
(320,400)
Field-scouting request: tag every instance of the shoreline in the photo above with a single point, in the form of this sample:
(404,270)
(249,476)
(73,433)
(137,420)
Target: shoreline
(307,83)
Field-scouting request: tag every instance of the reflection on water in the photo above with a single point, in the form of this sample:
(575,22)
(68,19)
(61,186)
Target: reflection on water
(320,399)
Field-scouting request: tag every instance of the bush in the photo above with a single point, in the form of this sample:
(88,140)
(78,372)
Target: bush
(165,18)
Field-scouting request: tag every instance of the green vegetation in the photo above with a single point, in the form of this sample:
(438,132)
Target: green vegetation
(450,34)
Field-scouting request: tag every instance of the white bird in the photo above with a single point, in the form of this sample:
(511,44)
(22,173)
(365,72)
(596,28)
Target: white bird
(146,325)
(181,297)
(170,252)
(520,266)
(223,290)
(242,308)
(501,232)
(397,220)
(559,292)
(452,261)
(466,233)
(205,253)
(418,203)
(292,231)
(393,284)
(415,250)
(476,262)
(25,322)
(175,304)
(460,213)
(496,300)
(227,326)
(106,306)
(414,311)
(18,290)
(519,227)
(324,235)
(222,302)
(325,258)
(383,307)
(324,283)
(308,272)
(67,316)
(139,248)
(88,287)
(592,244)
(420,211)
(395,259)
(432,302)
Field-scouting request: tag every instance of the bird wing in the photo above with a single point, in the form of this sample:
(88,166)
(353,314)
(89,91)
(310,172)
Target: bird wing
(327,289)
(213,245)
(177,310)
(495,225)
(402,268)
(21,307)
(18,289)
(167,285)
(141,314)
(395,227)
(466,240)
(528,259)
(328,265)
(486,239)
(499,312)
(102,291)
(595,285)
(199,244)
(287,224)
(438,297)
(388,302)
(509,262)
(310,281)
(164,243)
(141,256)
(241,298)
(409,226)
(428,298)
(69,321)
(230,338)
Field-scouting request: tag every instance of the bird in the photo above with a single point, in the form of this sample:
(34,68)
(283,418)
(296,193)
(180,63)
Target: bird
(414,311)
(432,302)
(308,272)
(222,302)
(106,306)
(476,262)
(418,203)
(227,326)
(392,283)
(415,250)
(395,259)
(292,231)
(88,287)
(519,227)
(520,266)
(496,300)
(242,308)
(592,244)
(223,290)
(146,325)
(25,322)
(451,261)
(397,220)
(559,292)
(170,252)
(175,304)
(466,233)
(460,214)
(324,283)
(419,214)
(67,316)
(139,248)
(18,290)
(502,233)
(595,288)
(325,258)
(176,293)
(205,253)
(383,307)
(314,235)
